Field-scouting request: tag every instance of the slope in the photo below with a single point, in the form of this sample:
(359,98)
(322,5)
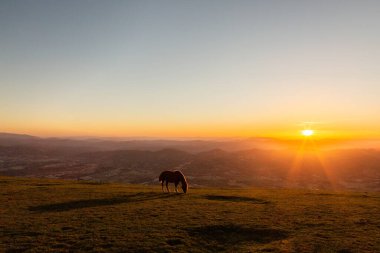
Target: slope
(60,216)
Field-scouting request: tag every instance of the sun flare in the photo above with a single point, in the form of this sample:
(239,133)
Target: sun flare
(307,132)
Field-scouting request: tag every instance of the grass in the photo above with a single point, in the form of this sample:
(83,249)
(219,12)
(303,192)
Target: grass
(39,215)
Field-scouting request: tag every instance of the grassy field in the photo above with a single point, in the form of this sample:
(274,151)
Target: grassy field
(38,215)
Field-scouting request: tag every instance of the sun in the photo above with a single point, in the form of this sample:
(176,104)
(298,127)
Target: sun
(307,132)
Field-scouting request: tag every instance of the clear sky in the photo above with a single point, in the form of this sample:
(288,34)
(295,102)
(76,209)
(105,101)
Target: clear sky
(190,68)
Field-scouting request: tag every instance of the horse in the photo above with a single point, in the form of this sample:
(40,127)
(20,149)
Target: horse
(173,177)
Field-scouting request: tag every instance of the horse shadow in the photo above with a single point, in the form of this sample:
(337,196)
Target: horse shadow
(236,199)
(87,203)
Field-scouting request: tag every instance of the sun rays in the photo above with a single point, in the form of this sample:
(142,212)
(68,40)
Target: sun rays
(308,158)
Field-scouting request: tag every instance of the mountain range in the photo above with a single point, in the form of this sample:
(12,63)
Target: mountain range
(211,163)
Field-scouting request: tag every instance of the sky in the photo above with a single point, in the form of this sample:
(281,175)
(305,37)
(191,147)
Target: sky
(190,68)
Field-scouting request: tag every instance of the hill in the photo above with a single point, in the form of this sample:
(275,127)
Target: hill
(356,169)
(39,215)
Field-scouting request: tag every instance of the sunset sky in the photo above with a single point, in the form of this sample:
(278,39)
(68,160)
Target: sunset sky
(190,68)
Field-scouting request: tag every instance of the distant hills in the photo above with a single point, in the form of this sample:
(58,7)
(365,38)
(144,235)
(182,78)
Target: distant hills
(236,163)
(104,144)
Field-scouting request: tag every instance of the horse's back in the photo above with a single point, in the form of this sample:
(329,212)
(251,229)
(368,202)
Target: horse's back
(171,176)
(164,175)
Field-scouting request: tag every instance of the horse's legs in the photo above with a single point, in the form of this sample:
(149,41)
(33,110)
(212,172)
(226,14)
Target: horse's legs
(176,185)
(162,185)
(167,182)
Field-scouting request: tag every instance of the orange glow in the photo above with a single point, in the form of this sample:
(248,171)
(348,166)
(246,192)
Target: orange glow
(286,133)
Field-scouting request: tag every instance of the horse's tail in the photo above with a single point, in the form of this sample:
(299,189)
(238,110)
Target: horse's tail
(161,177)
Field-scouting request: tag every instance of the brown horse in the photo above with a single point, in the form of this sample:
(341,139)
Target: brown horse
(173,177)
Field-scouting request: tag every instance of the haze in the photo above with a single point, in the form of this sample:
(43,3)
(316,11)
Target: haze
(190,68)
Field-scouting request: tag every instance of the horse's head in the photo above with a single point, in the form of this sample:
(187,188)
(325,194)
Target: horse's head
(184,186)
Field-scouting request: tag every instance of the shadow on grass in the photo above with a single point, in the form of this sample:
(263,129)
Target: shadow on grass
(85,203)
(230,235)
(20,233)
(4,182)
(236,199)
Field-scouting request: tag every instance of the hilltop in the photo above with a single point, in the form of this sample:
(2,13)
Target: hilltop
(60,216)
